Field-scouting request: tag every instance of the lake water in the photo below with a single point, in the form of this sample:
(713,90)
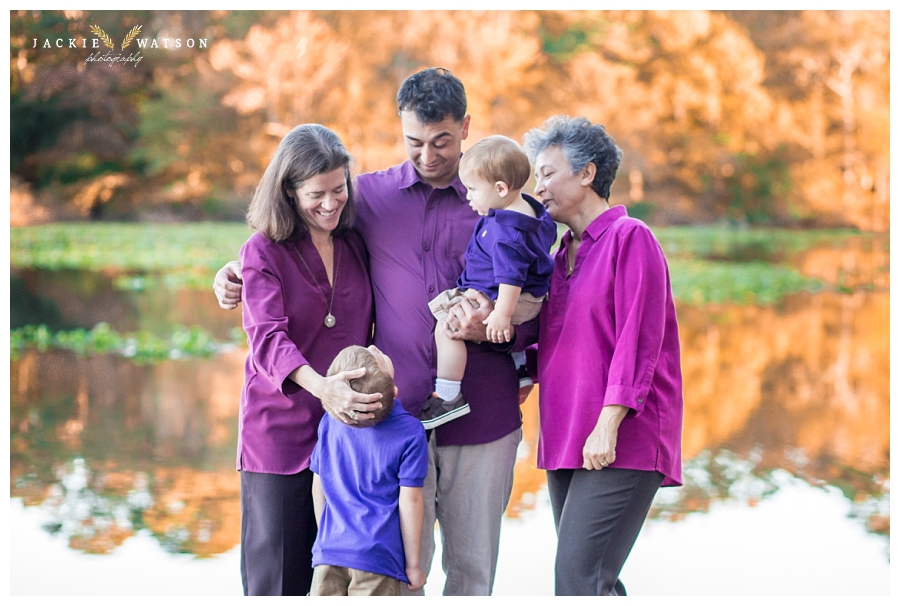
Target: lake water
(122,477)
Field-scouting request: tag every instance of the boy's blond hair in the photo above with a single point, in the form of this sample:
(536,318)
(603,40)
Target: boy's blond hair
(497,158)
(374,381)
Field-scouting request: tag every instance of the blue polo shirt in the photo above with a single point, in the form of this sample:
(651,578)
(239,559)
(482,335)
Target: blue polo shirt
(362,470)
(510,248)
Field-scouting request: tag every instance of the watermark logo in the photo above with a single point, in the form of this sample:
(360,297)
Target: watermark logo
(110,57)
(104,37)
(131,36)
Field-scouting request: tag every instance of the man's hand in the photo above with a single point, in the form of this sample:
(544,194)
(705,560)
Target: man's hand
(228,285)
(499,329)
(465,320)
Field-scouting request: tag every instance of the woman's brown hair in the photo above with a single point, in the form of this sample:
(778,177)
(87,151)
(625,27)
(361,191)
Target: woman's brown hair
(308,150)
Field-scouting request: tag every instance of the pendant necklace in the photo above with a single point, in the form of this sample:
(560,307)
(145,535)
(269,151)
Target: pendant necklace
(329,319)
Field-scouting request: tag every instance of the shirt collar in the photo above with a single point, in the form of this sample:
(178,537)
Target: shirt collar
(518,220)
(409,177)
(604,221)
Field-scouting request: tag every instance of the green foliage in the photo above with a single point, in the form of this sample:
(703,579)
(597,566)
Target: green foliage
(579,37)
(181,255)
(699,282)
(721,243)
(142,346)
(642,210)
(176,125)
(707,264)
(757,187)
(35,126)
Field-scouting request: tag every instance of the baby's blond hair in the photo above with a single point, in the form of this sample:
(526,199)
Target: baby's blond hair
(497,158)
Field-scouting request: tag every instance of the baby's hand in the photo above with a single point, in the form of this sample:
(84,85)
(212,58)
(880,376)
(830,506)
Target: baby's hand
(499,329)
(416,578)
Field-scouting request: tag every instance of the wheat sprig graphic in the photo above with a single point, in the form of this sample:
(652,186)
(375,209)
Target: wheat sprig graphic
(102,35)
(131,36)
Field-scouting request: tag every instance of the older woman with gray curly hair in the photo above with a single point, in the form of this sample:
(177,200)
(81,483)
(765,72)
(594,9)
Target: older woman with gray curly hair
(607,360)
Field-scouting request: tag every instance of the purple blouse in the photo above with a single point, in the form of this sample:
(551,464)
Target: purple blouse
(416,237)
(284,309)
(608,335)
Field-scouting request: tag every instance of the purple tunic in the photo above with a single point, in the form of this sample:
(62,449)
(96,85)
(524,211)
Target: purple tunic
(510,248)
(609,336)
(283,316)
(416,237)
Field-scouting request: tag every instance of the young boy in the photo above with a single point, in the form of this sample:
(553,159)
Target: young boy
(367,490)
(507,259)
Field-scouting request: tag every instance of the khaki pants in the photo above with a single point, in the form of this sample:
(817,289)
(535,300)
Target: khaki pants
(527,307)
(337,580)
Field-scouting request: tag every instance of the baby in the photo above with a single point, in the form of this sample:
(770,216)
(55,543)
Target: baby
(507,259)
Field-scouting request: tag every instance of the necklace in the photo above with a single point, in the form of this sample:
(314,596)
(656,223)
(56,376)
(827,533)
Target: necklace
(329,319)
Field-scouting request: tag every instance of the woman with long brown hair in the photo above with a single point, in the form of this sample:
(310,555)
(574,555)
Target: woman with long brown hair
(307,296)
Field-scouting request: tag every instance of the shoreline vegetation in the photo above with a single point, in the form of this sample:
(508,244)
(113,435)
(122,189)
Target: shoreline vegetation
(709,266)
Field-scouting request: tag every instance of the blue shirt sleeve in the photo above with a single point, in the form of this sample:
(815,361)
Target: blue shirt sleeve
(414,460)
(314,458)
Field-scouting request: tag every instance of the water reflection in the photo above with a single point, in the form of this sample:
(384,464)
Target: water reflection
(80,299)
(109,449)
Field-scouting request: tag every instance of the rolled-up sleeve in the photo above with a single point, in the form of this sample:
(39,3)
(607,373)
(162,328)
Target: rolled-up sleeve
(640,307)
(265,321)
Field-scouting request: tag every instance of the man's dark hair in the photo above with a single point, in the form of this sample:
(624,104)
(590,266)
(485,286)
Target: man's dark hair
(433,94)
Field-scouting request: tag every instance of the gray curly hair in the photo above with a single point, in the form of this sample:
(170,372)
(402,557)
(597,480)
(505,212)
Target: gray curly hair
(580,142)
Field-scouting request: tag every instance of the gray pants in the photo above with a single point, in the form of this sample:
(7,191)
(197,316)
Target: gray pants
(467,490)
(598,515)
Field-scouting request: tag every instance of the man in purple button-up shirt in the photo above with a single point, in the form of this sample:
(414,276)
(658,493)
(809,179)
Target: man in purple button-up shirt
(416,223)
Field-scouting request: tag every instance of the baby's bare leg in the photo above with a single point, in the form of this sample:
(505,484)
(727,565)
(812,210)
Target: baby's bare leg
(451,362)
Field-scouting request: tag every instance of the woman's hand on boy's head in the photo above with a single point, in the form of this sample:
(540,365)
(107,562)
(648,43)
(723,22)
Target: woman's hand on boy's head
(343,403)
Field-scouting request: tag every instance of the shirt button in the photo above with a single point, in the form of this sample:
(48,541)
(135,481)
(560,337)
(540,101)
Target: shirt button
(427,247)
(430,205)
(431,289)
(640,399)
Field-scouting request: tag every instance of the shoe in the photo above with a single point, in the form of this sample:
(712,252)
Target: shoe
(525,379)
(526,383)
(437,411)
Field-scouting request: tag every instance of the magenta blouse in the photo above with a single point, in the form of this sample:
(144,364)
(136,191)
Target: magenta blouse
(284,308)
(608,335)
